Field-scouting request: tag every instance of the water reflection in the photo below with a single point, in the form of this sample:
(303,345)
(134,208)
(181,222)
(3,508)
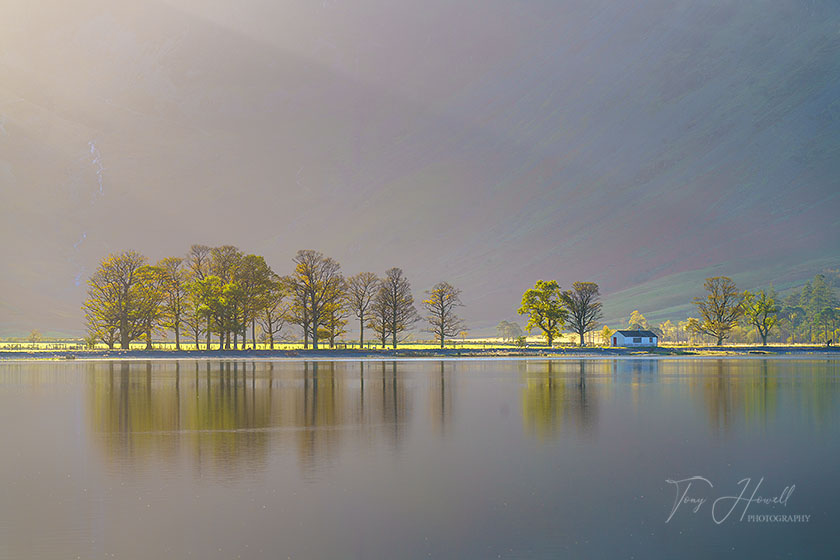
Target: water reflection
(325,460)
(143,412)
(749,392)
(224,416)
(440,397)
(559,396)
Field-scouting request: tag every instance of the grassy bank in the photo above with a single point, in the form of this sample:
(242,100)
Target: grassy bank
(296,352)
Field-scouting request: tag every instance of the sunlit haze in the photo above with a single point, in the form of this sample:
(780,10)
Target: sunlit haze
(639,145)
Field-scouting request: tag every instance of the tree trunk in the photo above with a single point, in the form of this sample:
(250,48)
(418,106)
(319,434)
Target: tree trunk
(764,339)
(315,320)
(581,333)
(177,338)
(235,330)
(148,338)
(720,341)
(123,335)
(208,334)
(254,332)
(221,340)
(305,327)
(394,326)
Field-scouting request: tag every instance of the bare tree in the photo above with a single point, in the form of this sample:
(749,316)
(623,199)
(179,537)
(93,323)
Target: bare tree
(583,306)
(175,295)
(297,310)
(318,279)
(273,309)
(379,316)
(508,331)
(441,303)
(361,290)
(334,319)
(115,300)
(152,290)
(224,262)
(198,261)
(399,303)
(720,310)
(253,276)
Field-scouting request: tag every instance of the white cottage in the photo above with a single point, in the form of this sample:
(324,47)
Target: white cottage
(634,338)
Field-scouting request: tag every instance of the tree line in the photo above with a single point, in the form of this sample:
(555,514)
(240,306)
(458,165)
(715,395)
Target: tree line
(222,294)
(550,308)
(808,315)
(812,312)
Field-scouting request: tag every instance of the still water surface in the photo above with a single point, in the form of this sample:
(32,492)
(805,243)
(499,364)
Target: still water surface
(418,459)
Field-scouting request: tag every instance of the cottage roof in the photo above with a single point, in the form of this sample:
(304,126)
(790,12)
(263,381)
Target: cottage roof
(637,333)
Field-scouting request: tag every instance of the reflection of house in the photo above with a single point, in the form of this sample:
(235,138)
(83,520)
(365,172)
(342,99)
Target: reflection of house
(634,338)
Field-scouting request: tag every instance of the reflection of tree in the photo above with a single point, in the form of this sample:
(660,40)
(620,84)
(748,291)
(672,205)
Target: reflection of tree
(318,411)
(440,398)
(394,402)
(750,389)
(557,396)
(143,413)
(735,388)
(222,415)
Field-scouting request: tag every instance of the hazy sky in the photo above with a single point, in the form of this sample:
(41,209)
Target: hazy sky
(643,145)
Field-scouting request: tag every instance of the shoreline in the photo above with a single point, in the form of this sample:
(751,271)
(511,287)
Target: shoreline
(589,353)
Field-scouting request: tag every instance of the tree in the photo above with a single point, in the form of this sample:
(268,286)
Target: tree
(508,331)
(34,336)
(318,280)
(441,303)
(637,321)
(334,319)
(544,306)
(821,297)
(361,289)
(827,320)
(198,261)
(273,309)
(210,303)
(175,278)
(115,301)
(192,320)
(606,335)
(253,277)
(584,309)
(297,311)
(379,317)
(761,312)
(224,262)
(398,303)
(152,292)
(720,310)
(668,331)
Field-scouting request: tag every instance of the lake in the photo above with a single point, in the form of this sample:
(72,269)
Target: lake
(420,459)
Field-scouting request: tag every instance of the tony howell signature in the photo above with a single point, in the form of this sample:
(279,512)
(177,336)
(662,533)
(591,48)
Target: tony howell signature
(692,492)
